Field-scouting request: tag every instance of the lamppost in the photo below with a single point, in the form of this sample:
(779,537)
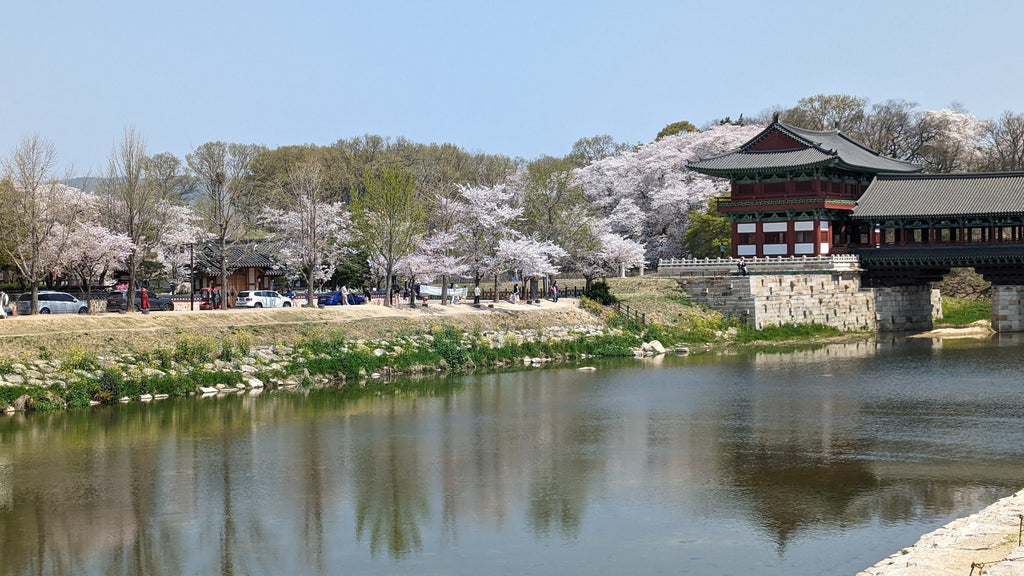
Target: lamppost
(191,276)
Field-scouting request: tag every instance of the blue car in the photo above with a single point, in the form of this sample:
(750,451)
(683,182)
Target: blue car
(334,299)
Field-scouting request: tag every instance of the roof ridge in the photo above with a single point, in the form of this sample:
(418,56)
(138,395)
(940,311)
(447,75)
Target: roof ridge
(947,175)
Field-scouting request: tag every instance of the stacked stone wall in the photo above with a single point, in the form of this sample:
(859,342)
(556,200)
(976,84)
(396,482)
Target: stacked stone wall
(902,308)
(836,299)
(727,294)
(832,299)
(1008,308)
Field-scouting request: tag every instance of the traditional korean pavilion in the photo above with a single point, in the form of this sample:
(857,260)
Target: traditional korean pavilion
(794,191)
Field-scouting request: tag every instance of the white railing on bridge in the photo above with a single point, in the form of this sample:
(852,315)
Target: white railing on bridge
(683,266)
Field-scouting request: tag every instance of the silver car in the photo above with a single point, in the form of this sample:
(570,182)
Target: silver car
(51,302)
(263,299)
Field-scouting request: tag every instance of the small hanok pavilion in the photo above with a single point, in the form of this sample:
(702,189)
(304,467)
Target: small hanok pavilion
(794,190)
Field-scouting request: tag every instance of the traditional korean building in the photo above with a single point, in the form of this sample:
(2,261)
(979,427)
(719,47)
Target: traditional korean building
(794,191)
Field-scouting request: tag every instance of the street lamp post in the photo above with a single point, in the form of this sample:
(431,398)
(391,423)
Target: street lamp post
(191,276)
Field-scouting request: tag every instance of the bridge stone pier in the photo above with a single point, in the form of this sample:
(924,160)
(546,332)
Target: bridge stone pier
(1008,308)
(900,308)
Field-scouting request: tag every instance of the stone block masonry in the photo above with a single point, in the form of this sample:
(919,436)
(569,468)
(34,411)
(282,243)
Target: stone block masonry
(906,308)
(1008,308)
(829,298)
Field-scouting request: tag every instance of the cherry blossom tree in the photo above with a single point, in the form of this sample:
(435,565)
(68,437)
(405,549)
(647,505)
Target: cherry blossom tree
(645,195)
(952,140)
(37,212)
(533,257)
(621,253)
(314,235)
(94,250)
(487,217)
(177,244)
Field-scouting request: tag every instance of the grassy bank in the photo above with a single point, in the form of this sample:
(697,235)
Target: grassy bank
(50,362)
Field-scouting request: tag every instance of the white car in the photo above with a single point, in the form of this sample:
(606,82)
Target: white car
(51,302)
(263,299)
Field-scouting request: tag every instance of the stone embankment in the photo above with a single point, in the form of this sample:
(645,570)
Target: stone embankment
(253,368)
(988,542)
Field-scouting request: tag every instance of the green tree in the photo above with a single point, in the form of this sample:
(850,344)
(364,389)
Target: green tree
(708,232)
(586,151)
(676,128)
(389,219)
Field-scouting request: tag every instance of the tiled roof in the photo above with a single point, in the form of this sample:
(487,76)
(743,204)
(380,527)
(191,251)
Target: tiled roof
(936,195)
(821,148)
(243,255)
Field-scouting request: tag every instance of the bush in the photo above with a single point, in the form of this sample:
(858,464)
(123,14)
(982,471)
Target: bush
(600,293)
(195,349)
(75,358)
(448,345)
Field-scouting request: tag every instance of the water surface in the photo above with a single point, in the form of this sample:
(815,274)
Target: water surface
(780,463)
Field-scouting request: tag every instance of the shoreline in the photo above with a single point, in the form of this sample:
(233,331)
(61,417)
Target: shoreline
(989,537)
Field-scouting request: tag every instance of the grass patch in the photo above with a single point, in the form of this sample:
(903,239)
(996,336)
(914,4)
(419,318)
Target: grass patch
(963,311)
(748,334)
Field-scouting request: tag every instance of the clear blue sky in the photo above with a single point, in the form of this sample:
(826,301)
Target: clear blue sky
(522,78)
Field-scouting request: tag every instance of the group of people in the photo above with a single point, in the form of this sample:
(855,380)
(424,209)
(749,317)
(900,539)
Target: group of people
(514,296)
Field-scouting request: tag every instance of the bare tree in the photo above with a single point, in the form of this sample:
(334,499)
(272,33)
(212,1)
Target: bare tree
(132,204)
(826,111)
(221,172)
(1005,139)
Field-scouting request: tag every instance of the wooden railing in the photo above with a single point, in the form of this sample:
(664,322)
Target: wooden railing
(630,313)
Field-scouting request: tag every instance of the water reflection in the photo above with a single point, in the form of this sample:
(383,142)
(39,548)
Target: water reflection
(846,448)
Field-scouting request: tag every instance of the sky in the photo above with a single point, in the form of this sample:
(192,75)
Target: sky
(524,78)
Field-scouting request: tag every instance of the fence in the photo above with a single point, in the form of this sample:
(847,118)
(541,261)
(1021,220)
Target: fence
(770,264)
(630,313)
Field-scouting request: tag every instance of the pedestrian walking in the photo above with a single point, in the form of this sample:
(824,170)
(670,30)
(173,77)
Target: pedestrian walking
(144,303)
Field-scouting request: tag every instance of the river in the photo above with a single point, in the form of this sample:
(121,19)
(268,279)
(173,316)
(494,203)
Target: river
(807,462)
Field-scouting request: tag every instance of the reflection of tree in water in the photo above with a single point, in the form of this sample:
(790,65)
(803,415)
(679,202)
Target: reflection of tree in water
(789,490)
(561,473)
(390,495)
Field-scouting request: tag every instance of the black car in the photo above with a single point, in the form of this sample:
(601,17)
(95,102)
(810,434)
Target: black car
(115,301)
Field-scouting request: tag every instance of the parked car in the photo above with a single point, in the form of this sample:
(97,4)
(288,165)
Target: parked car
(51,302)
(334,298)
(263,299)
(116,301)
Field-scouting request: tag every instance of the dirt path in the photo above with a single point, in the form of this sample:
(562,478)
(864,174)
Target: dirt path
(105,333)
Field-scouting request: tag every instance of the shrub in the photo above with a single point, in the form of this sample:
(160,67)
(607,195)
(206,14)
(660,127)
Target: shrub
(75,358)
(600,293)
(448,345)
(194,349)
